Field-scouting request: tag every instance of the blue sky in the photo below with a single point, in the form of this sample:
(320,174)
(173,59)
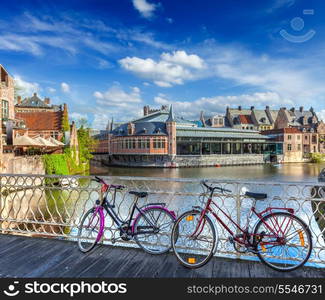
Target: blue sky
(110,58)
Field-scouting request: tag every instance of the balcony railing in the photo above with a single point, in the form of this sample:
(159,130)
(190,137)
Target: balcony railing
(51,206)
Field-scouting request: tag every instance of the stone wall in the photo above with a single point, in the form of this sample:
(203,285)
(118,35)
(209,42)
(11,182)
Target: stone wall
(213,160)
(185,161)
(22,164)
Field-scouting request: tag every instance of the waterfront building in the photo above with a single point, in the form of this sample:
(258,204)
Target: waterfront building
(7,108)
(251,119)
(304,120)
(321,136)
(40,118)
(290,143)
(163,139)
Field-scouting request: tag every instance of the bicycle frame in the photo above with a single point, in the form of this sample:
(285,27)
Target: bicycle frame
(119,222)
(261,215)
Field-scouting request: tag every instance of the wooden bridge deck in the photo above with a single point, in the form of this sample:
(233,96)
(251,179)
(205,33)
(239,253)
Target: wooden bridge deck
(39,257)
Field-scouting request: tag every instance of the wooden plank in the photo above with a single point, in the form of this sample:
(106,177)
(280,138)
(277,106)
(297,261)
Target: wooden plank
(39,257)
(117,260)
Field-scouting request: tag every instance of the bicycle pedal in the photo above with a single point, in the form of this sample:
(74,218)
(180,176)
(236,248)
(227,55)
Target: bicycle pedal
(113,241)
(231,240)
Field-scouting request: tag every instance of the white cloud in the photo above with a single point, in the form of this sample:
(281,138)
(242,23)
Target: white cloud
(145,8)
(321,115)
(172,68)
(65,87)
(75,116)
(116,103)
(26,88)
(218,104)
(51,90)
(100,121)
(182,58)
(279,4)
(118,97)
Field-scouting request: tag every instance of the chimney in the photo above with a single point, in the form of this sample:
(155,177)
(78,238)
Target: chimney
(267,108)
(146,110)
(35,94)
(252,107)
(301,108)
(47,101)
(292,109)
(239,107)
(18,99)
(311,110)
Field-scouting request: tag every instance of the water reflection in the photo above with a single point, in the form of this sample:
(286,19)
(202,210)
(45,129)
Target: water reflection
(305,172)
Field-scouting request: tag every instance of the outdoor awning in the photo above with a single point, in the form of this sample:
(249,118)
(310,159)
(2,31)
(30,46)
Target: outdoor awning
(44,142)
(55,142)
(25,141)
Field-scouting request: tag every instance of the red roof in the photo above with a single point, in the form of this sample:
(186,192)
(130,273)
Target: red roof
(291,130)
(245,119)
(46,120)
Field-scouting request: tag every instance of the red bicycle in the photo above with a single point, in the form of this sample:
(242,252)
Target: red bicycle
(280,239)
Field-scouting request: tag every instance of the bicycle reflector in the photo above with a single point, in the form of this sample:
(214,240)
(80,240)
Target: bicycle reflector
(189,218)
(301,237)
(191,260)
(263,247)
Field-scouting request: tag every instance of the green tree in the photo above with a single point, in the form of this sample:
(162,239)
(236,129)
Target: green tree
(86,142)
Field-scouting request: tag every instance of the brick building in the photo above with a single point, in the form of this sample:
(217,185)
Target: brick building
(251,119)
(7,107)
(291,143)
(163,139)
(306,121)
(40,117)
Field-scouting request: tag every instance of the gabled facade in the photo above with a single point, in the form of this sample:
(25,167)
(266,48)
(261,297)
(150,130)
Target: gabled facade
(40,118)
(251,119)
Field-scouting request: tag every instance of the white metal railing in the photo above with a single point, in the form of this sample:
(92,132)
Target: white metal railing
(41,205)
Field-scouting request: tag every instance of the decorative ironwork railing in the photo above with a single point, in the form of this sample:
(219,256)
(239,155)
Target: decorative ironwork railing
(51,206)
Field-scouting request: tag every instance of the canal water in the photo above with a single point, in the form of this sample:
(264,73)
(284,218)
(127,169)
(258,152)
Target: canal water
(303,172)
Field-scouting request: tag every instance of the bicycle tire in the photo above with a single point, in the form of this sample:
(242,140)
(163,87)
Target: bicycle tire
(151,245)
(93,242)
(306,233)
(187,259)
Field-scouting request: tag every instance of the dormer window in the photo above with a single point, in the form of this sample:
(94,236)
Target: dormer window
(263,120)
(131,128)
(144,130)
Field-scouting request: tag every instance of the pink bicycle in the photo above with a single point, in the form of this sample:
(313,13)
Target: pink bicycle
(150,228)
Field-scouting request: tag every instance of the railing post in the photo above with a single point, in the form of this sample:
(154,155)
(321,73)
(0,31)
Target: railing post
(238,211)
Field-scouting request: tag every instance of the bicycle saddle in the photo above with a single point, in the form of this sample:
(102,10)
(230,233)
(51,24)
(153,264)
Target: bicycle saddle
(139,194)
(257,196)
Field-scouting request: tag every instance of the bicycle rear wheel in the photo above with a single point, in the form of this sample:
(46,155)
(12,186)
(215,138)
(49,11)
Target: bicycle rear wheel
(152,230)
(88,230)
(289,248)
(193,248)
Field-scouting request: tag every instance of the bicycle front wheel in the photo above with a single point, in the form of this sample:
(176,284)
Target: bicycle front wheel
(88,230)
(283,241)
(152,230)
(193,243)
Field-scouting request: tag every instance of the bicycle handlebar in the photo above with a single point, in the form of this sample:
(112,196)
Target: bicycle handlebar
(99,180)
(210,188)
